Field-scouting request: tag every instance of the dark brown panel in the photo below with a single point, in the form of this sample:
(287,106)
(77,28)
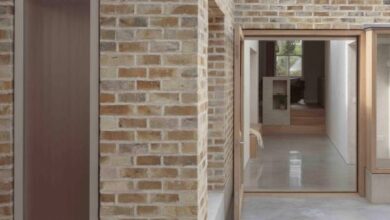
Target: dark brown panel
(57,60)
(270,56)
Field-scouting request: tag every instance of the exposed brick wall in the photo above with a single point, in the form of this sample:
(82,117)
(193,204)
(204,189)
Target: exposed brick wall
(220,156)
(311,14)
(6,108)
(220,79)
(216,96)
(228,124)
(220,103)
(202,108)
(153,109)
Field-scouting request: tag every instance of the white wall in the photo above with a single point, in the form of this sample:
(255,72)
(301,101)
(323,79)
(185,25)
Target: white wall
(340,96)
(250,47)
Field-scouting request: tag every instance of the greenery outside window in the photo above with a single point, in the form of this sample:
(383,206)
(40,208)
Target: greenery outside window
(289,58)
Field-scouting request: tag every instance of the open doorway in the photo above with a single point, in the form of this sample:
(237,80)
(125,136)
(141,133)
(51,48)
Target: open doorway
(300,114)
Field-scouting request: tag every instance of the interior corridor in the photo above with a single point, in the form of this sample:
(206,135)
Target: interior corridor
(299,162)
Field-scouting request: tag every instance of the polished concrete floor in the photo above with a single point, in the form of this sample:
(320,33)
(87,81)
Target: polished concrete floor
(299,163)
(312,208)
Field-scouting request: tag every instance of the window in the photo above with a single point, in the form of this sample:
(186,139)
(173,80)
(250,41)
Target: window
(289,58)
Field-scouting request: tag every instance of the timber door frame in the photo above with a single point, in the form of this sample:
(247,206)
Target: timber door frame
(371,68)
(237,123)
(362,88)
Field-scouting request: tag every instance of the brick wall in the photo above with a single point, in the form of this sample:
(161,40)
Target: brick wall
(6,108)
(220,103)
(220,80)
(311,14)
(153,109)
(228,91)
(202,104)
(216,96)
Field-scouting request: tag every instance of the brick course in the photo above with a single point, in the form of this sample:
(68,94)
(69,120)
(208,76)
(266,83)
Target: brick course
(310,14)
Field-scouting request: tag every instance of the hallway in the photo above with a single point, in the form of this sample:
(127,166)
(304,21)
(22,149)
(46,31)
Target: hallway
(312,208)
(299,163)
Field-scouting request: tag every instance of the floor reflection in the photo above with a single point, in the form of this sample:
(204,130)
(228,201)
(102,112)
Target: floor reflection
(312,208)
(299,163)
(295,169)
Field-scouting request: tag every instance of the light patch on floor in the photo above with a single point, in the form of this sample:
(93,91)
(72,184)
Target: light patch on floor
(299,163)
(312,208)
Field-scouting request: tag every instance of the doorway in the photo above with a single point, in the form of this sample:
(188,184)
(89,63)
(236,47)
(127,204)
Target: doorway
(301,107)
(359,36)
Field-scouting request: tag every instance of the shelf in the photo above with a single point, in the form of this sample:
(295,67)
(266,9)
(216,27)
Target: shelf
(279,95)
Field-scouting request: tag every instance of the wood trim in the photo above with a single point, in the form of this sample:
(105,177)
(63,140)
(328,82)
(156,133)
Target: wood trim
(237,148)
(380,30)
(302,33)
(371,43)
(364,119)
(362,115)
(370,101)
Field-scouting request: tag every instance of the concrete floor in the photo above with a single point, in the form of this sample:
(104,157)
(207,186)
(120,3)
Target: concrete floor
(299,163)
(312,208)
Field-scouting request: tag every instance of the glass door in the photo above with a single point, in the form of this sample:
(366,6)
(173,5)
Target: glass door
(378,67)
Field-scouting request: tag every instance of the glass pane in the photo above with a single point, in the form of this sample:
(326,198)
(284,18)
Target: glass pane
(292,48)
(282,66)
(295,66)
(383,102)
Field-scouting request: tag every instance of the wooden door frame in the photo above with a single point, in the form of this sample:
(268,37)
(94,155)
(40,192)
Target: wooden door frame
(238,189)
(363,97)
(371,45)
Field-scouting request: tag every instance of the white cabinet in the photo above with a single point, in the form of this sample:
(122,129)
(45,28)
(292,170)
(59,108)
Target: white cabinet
(276,101)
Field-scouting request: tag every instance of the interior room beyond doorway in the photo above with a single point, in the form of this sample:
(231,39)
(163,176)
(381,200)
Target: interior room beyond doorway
(300,114)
